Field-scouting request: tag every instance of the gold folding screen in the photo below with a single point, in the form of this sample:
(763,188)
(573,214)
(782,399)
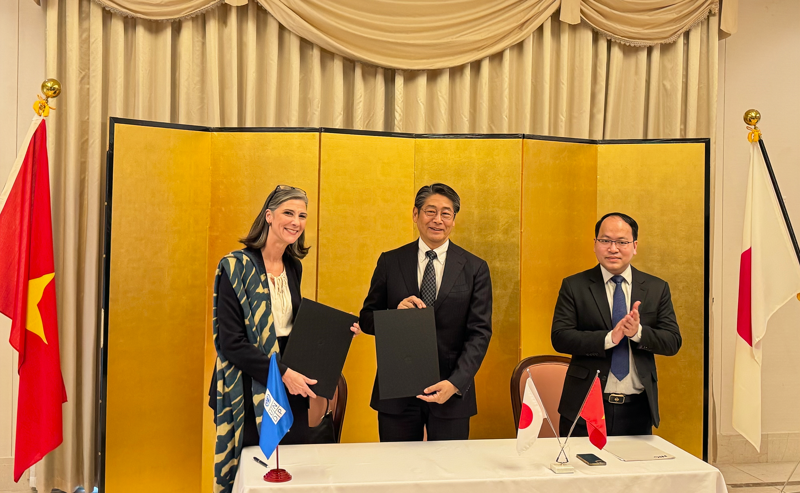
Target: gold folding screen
(567,187)
(364,210)
(559,209)
(156,310)
(245,167)
(486,174)
(183,196)
(665,192)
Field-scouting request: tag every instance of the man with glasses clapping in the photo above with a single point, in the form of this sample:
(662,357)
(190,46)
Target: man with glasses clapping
(613,319)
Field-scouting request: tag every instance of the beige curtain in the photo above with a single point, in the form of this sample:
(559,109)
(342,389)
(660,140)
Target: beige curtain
(237,66)
(412,34)
(640,23)
(425,35)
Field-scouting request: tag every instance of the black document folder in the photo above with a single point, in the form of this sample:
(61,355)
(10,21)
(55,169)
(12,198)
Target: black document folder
(318,345)
(405,342)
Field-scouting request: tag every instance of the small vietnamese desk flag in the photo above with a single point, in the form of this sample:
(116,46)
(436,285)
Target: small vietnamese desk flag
(531,417)
(595,415)
(28,298)
(769,276)
(277,417)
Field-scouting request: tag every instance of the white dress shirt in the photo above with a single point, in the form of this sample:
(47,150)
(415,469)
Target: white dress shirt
(438,262)
(631,384)
(281,299)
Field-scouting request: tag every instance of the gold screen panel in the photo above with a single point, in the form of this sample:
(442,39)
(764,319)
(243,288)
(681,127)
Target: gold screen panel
(559,196)
(183,198)
(245,168)
(367,197)
(156,320)
(662,186)
(486,175)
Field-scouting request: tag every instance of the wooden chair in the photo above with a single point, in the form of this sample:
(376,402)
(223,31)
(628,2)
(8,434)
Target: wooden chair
(548,374)
(318,408)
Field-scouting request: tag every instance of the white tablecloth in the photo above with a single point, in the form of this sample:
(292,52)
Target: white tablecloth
(478,466)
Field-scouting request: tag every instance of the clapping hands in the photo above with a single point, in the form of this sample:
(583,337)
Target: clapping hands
(628,326)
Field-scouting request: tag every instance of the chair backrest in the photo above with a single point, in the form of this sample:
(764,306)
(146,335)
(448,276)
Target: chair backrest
(318,408)
(548,374)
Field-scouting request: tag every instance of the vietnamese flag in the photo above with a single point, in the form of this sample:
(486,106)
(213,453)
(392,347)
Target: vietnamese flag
(595,415)
(769,276)
(28,298)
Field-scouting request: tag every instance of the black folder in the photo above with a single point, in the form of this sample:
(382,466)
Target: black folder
(408,360)
(318,345)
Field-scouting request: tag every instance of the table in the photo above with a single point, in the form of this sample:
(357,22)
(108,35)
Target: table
(478,466)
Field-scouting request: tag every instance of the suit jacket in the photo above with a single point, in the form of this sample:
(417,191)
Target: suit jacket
(582,319)
(463,312)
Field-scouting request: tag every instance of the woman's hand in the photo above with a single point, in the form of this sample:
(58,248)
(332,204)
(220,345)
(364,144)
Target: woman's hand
(356,329)
(297,383)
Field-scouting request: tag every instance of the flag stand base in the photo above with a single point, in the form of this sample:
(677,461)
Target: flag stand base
(278,476)
(561,468)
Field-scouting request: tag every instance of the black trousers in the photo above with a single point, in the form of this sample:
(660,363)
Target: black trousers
(410,425)
(621,419)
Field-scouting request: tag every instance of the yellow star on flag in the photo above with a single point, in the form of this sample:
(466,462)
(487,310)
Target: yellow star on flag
(35,292)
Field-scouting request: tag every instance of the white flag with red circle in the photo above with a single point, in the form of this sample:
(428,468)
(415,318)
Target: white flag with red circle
(769,276)
(531,418)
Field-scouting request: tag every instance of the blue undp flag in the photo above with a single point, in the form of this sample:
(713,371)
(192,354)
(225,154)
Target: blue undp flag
(277,418)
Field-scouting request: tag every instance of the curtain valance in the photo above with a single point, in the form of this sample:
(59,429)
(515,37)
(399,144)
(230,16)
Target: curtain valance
(639,23)
(424,35)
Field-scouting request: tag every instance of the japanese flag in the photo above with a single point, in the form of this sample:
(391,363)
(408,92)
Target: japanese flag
(530,418)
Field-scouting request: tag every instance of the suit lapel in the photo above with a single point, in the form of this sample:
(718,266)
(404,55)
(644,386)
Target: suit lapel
(409,259)
(453,265)
(638,287)
(598,289)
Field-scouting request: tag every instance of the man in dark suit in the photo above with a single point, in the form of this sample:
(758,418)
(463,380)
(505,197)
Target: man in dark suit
(434,271)
(613,319)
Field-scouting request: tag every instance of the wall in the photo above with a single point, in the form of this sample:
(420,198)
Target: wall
(22,43)
(759,68)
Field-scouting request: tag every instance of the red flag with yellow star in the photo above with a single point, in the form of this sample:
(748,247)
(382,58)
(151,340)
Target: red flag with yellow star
(595,415)
(28,298)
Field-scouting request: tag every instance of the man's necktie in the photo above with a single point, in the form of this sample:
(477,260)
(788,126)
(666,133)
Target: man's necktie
(427,289)
(620,363)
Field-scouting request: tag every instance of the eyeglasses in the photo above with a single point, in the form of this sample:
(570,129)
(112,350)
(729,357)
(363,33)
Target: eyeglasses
(608,243)
(282,188)
(432,212)
(287,187)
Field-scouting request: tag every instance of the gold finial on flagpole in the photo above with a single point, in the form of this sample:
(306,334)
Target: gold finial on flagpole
(751,118)
(51,88)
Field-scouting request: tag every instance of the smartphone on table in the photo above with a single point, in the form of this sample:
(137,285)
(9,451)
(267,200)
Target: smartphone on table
(592,459)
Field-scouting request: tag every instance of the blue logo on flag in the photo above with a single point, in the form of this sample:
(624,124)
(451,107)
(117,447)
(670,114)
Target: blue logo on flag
(277,417)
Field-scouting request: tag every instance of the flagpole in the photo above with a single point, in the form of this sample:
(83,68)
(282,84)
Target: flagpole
(781,203)
(751,118)
(576,419)
(277,475)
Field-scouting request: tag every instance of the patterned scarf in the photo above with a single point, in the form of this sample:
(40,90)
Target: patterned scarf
(253,293)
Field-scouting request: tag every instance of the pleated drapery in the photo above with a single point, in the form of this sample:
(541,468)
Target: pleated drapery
(642,23)
(425,35)
(238,66)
